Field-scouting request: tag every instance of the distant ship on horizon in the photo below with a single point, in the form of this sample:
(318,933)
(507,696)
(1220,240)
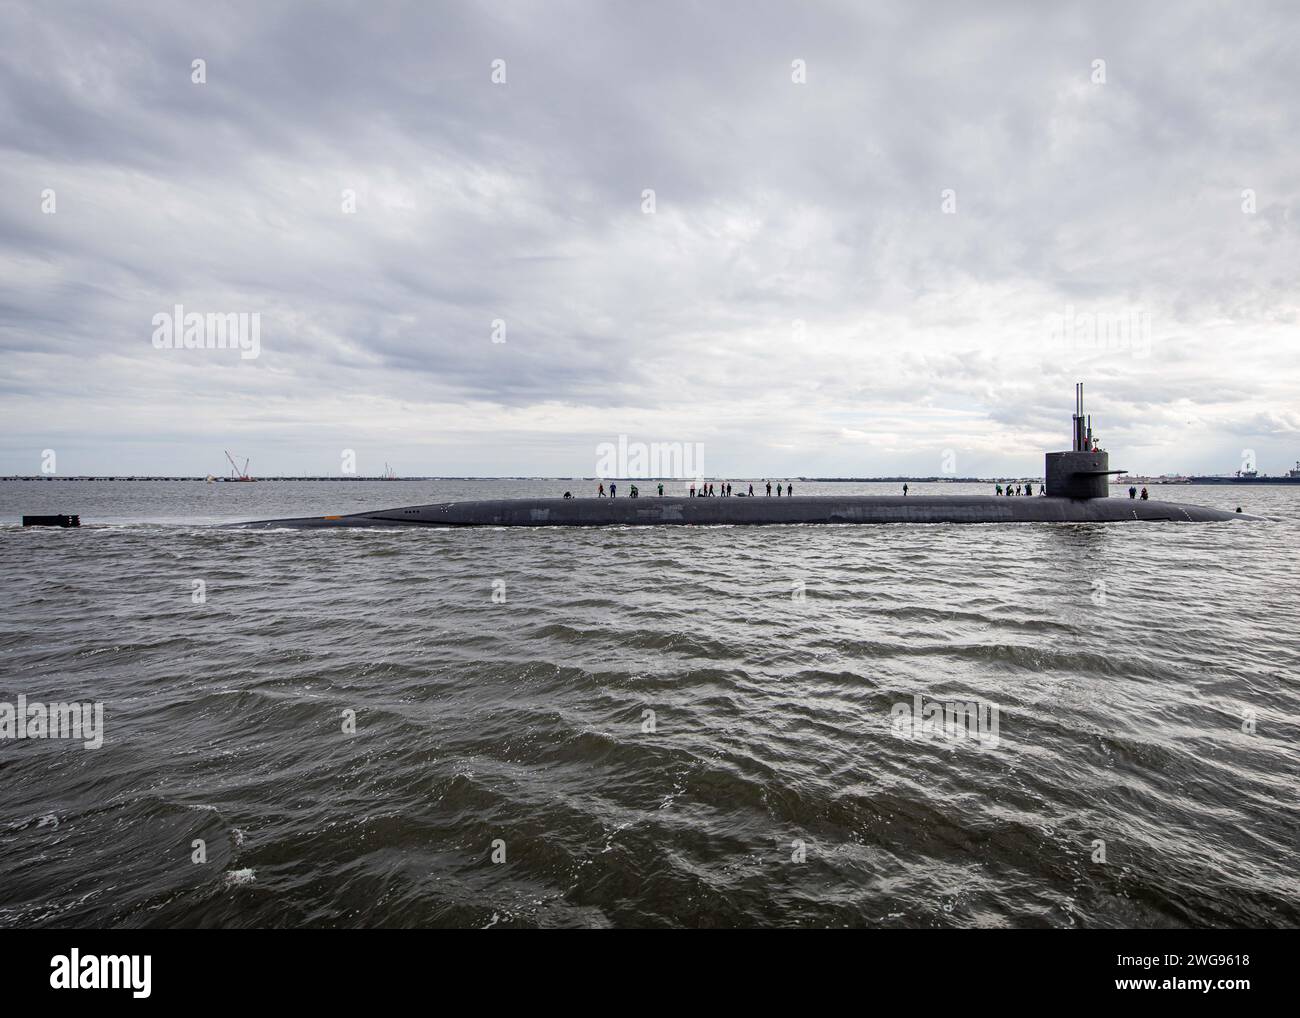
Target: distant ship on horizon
(1250,477)
(1240,477)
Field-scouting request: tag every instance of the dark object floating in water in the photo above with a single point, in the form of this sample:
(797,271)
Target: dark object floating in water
(52,521)
(1078,491)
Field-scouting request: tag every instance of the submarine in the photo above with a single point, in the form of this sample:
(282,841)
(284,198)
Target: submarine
(1077,491)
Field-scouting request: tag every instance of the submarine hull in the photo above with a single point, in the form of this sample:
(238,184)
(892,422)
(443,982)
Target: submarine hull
(743,511)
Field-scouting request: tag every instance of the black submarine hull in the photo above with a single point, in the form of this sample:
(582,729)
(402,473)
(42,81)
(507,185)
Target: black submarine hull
(745,511)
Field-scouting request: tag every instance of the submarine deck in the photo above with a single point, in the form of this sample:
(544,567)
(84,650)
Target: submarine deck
(798,509)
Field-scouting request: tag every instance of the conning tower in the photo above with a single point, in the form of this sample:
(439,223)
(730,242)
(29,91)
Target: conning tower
(1084,471)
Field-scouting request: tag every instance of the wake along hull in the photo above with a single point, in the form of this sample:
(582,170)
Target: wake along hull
(799,509)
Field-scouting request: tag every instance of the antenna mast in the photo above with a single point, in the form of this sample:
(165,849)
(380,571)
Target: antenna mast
(1082,426)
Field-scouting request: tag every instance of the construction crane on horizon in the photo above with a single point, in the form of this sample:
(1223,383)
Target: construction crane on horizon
(236,474)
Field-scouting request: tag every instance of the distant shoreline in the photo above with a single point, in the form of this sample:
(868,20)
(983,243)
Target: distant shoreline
(160,478)
(512,477)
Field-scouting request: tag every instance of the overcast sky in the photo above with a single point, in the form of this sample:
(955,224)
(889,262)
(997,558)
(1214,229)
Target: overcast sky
(800,299)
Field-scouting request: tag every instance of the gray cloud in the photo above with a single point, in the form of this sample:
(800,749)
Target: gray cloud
(798,300)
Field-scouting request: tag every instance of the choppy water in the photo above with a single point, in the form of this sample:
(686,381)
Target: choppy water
(1125,661)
